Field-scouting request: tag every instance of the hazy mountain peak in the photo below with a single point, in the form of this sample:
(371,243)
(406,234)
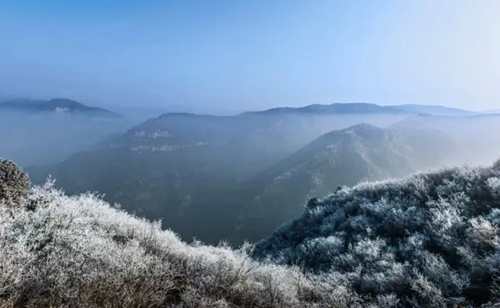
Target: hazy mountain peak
(65,104)
(58,105)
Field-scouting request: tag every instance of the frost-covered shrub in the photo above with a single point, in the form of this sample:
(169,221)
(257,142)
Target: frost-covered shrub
(80,252)
(494,186)
(429,240)
(496,164)
(14,184)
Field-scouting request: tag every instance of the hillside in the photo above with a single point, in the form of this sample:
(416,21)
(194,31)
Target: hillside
(343,157)
(429,240)
(60,251)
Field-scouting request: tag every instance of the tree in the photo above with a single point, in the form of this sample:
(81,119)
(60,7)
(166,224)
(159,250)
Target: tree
(14,184)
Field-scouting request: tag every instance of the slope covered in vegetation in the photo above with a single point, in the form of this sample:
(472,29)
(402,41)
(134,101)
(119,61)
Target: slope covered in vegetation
(60,251)
(430,240)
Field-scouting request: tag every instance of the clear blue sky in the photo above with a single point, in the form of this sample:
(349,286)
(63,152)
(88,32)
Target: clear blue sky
(252,54)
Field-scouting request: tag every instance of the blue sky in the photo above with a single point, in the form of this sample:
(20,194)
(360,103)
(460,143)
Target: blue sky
(247,55)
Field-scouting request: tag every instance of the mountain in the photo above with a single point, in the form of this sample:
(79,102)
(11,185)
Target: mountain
(186,168)
(57,105)
(45,132)
(139,114)
(345,157)
(430,239)
(433,110)
(335,108)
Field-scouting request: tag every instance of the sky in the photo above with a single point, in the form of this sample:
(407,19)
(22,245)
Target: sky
(226,55)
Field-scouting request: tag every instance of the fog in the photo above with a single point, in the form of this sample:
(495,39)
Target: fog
(478,136)
(222,153)
(211,176)
(50,138)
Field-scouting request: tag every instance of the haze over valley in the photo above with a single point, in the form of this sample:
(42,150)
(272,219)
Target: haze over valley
(238,177)
(249,154)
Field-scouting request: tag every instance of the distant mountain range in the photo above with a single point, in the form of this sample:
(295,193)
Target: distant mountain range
(367,108)
(57,105)
(71,106)
(335,108)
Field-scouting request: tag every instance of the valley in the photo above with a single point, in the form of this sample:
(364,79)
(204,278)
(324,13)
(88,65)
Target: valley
(239,177)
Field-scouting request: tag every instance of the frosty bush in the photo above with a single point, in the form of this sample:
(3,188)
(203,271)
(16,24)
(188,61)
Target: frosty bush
(80,252)
(429,240)
(14,184)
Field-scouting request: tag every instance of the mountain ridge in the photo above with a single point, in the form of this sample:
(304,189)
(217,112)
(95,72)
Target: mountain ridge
(335,108)
(362,152)
(434,110)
